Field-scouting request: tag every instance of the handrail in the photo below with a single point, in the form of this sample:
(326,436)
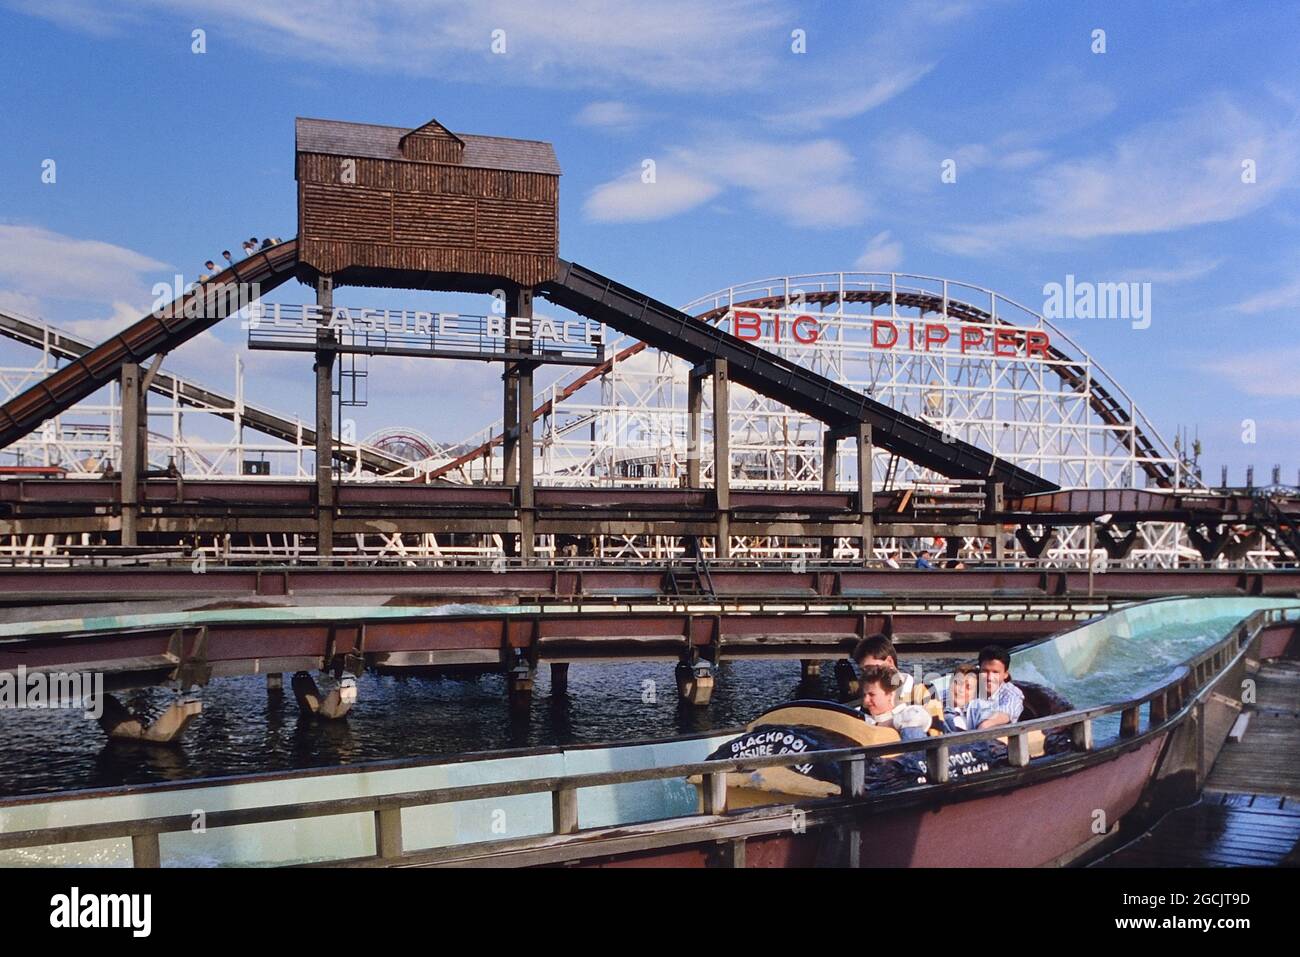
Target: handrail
(145,832)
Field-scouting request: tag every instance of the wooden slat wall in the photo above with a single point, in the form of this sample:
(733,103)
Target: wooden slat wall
(427,216)
(440,148)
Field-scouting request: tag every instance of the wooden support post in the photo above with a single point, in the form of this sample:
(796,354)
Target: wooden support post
(519,685)
(722,455)
(830,456)
(994,505)
(1159,709)
(510,425)
(559,678)
(1081,734)
(131,465)
(1018,750)
(275,683)
(388,832)
(810,669)
(730,853)
(853,777)
(1198,729)
(118,721)
(936,764)
(846,680)
(145,850)
(1128,722)
(694,434)
(866,492)
(694,682)
(564,810)
(715,793)
(325,421)
(527,504)
(521,306)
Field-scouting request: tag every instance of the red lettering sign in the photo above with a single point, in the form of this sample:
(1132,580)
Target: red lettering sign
(877,325)
(747,326)
(807,338)
(1036,343)
(935,334)
(1004,343)
(971,337)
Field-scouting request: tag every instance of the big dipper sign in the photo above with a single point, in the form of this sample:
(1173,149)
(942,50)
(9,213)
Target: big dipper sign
(1008,341)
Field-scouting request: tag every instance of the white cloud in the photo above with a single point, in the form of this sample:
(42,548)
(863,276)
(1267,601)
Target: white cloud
(609,115)
(38,262)
(1164,176)
(630,200)
(847,104)
(1281,297)
(1184,272)
(805,184)
(29,307)
(913,160)
(669,44)
(1268,373)
(98,329)
(883,254)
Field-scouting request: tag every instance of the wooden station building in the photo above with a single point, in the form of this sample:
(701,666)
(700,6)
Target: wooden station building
(425,207)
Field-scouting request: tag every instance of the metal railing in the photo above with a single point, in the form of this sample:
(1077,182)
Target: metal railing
(1167,704)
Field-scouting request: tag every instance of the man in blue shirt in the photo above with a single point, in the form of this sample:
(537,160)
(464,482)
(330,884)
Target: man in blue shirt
(1006,700)
(923,561)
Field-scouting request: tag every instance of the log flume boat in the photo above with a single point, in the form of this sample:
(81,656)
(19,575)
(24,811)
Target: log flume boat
(1150,693)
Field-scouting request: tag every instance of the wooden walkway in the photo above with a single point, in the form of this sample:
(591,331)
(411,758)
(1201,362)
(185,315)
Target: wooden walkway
(1249,814)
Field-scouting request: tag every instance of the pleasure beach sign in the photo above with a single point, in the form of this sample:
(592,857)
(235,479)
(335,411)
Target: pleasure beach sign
(310,317)
(407,332)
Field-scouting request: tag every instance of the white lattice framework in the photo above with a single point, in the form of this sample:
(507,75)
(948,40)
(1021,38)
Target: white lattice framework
(630,425)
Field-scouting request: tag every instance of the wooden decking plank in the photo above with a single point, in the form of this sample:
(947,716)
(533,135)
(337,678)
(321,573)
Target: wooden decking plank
(1263,763)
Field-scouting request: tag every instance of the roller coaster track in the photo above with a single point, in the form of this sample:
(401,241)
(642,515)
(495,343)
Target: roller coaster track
(696,340)
(1107,407)
(160,331)
(576,288)
(69,347)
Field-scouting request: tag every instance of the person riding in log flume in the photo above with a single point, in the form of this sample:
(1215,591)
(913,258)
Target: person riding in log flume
(995,676)
(881,707)
(1001,702)
(878,651)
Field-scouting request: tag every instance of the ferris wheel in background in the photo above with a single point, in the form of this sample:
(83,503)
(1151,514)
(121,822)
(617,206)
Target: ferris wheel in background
(399,442)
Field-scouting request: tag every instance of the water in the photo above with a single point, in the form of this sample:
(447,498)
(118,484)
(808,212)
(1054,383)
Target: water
(244,730)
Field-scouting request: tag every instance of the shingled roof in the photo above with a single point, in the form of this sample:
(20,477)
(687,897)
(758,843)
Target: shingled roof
(338,138)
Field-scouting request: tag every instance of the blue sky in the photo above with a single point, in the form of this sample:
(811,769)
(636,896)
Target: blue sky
(1117,166)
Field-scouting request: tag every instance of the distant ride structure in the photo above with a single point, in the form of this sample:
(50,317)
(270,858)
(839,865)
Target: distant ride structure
(961,400)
